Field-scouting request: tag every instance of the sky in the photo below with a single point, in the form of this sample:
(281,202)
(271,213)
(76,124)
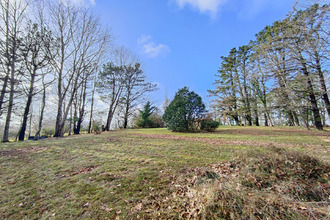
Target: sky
(180,42)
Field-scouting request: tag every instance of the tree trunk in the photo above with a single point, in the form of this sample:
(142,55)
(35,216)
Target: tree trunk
(77,130)
(266,119)
(257,117)
(91,114)
(71,119)
(125,120)
(110,114)
(5,137)
(43,104)
(58,128)
(3,92)
(30,122)
(7,57)
(21,135)
(313,101)
(296,118)
(325,96)
(235,117)
(66,110)
(126,115)
(10,56)
(81,108)
(247,105)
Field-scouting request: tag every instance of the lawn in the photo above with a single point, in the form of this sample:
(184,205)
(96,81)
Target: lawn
(154,173)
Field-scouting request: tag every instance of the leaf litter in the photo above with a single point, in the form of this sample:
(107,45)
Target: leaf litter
(281,185)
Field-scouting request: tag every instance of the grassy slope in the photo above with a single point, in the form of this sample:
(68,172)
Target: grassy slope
(123,173)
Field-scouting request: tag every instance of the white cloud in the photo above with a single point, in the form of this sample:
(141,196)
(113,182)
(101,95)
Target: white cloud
(150,48)
(81,2)
(204,6)
(144,39)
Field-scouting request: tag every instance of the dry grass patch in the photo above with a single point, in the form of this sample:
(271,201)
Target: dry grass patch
(284,185)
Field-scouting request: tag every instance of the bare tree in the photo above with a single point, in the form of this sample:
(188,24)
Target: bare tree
(12,15)
(62,21)
(82,43)
(81,101)
(37,47)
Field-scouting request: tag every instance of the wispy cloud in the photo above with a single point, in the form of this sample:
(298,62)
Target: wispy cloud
(204,6)
(81,2)
(152,49)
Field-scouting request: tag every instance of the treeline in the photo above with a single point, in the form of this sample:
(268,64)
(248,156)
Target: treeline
(51,56)
(281,76)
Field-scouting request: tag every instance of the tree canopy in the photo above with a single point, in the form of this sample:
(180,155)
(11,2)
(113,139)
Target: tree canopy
(281,74)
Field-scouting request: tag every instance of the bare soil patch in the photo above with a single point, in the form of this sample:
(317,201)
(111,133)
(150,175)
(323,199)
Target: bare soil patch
(11,153)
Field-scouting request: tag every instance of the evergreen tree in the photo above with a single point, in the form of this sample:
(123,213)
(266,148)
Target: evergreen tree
(144,120)
(183,111)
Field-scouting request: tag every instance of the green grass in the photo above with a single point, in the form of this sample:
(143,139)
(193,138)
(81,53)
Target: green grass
(129,172)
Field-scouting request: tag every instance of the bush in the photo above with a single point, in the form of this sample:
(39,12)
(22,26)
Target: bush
(183,111)
(208,125)
(154,121)
(157,121)
(97,126)
(49,132)
(149,118)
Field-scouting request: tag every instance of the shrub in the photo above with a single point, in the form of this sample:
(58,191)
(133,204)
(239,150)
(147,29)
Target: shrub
(149,118)
(157,121)
(97,126)
(49,132)
(208,125)
(183,111)
(154,121)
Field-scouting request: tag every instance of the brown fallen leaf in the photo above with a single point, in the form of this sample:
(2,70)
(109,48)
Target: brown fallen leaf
(106,208)
(138,207)
(86,205)
(302,207)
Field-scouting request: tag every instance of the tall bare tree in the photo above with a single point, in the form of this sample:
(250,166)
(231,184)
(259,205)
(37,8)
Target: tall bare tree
(82,42)
(37,47)
(12,15)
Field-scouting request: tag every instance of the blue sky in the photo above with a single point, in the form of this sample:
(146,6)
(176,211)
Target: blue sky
(180,42)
